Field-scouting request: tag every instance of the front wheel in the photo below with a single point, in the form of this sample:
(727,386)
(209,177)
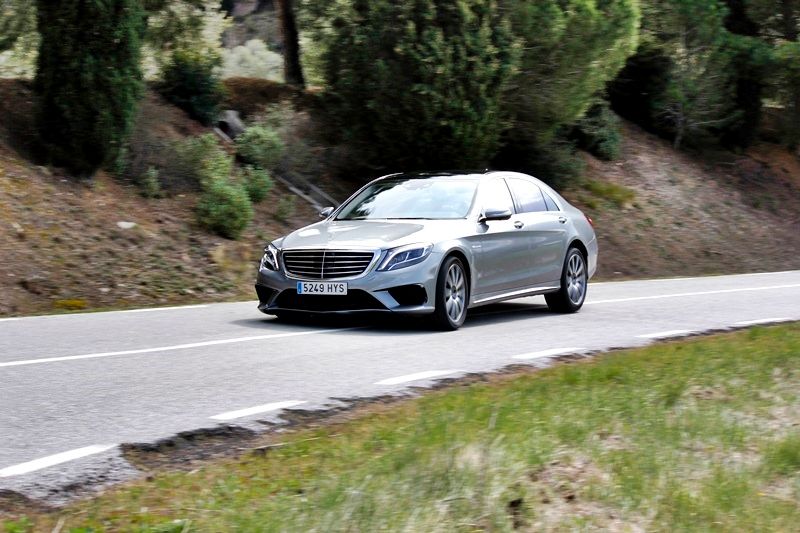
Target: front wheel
(452,295)
(574,280)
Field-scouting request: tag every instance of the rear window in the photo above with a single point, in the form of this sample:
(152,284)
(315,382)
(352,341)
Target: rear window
(528,195)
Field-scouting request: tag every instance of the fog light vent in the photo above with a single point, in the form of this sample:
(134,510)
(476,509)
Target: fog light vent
(409,294)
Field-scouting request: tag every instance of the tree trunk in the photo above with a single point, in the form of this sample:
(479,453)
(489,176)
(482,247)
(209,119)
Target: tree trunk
(292,70)
(789,16)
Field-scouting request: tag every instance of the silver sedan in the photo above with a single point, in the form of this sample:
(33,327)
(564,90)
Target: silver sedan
(437,244)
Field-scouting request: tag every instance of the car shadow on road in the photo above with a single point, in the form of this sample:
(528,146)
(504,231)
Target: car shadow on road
(398,324)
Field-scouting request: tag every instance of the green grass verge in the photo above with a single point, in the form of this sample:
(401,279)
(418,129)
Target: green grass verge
(691,436)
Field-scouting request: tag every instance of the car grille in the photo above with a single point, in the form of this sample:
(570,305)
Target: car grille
(326,264)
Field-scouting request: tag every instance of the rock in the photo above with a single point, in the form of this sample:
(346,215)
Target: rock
(126,225)
(105,290)
(230,123)
(36,285)
(19,230)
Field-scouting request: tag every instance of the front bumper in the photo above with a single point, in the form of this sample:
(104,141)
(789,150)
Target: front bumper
(409,290)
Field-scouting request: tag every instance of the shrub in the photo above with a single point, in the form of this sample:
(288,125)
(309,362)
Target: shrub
(252,60)
(257,183)
(598,132)
(224,208)
(191,83)
(149,184)
(285,208)
(89,87)
(260,145)
(198,160)
(398,83)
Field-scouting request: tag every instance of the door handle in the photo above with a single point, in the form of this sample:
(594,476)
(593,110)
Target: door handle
(563,220)
(518,224)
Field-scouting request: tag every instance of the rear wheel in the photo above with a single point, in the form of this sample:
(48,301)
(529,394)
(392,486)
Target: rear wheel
(574,280)
(452,295)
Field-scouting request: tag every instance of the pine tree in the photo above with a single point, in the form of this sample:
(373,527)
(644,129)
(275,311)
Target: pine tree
(418,84)
(88,79)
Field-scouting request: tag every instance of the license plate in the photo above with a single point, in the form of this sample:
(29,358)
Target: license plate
(322,287)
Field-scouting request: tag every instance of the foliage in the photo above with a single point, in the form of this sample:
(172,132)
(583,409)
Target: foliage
(224,208)
(598,132)
(285,208)
(572,49)
(172,25)
(257,183)
(199,160)
(19,39)
(787,57)
(252,60)
(149,184)
(417,84)
(89,88)
(260,145)
(17,18)
(190,81)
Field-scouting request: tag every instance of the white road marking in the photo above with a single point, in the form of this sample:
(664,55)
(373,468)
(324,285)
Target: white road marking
(666,334)
(8,319)
(151,309)
(417,377)
(52,460)
(684,294)
(547,353)
(170,348)
(762,321)
(266,408)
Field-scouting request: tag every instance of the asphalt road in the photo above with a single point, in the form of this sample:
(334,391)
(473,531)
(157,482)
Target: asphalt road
(74,387)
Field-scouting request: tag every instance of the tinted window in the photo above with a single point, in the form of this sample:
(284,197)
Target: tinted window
(495,195)
(551,205)
(412,198)
(529,196)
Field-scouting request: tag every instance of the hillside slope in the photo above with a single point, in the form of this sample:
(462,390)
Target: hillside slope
(689,216)
(69,246)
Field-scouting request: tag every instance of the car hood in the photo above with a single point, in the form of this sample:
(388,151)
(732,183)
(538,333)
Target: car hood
(371,234)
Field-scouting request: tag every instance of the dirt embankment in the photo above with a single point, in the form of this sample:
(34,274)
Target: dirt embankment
(689,216)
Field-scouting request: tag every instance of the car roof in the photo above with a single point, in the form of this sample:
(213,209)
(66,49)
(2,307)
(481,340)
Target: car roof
(474,174)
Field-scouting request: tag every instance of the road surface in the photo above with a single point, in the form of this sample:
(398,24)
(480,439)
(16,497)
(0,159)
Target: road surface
(74,387)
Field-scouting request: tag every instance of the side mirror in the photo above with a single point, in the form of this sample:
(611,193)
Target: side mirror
(325,213)
(495,213)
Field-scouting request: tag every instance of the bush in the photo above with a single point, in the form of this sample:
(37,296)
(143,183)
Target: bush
(598,132)
(88,79)
(285,208)
(149,184)
(252,60)
(224,208)
(257,183)
(417,84)
(197,160)
(260,145)
(191,83)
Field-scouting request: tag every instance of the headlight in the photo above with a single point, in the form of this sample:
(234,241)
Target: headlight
(270,259)
(405,256)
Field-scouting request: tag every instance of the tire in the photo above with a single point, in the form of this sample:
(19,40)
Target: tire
(452,295)
(574,283)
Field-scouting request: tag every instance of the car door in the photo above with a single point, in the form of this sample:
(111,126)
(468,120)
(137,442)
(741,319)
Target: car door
(546,230)
(503,257)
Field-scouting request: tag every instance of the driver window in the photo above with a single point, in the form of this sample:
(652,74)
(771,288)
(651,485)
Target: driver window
(497,196)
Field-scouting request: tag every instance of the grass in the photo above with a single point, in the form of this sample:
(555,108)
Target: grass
(692,436)
(618,195)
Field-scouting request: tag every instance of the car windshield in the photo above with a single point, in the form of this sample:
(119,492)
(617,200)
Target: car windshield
(412,198)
